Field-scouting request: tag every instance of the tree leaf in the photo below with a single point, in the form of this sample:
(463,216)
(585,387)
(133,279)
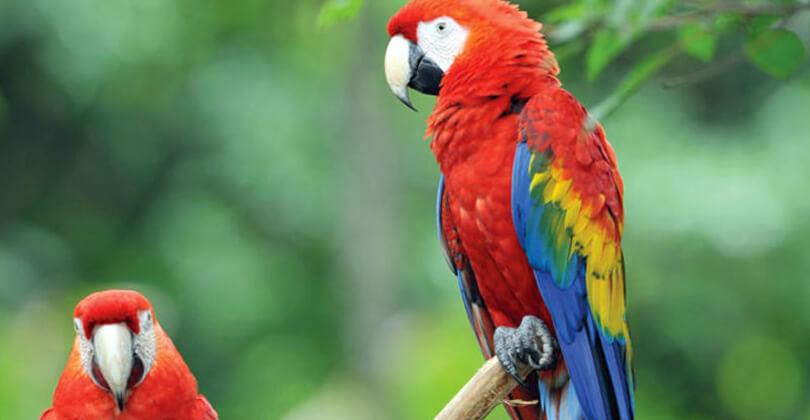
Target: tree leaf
(335,11)
(565,52)
(654,8)
(698,41)
(759,25)
(607,44)
(566,31)
(566,12)
(778,52)
(727,21)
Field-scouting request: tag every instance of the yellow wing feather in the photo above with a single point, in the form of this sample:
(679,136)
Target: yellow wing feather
(604,272)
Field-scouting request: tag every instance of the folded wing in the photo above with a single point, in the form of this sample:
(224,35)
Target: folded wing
(567,211)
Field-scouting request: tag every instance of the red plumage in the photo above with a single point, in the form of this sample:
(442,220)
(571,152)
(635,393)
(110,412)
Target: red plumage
(474,138)
(476,127)
(168,392)
(585,156)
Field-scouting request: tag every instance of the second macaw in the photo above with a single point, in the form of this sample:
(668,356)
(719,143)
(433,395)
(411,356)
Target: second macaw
(529,208)
(123,366)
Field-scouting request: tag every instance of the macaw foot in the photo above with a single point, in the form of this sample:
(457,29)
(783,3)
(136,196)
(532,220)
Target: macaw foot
(529,344)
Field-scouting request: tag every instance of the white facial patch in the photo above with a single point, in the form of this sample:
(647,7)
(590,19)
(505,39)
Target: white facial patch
(441,39)
(85,349)
(145,345)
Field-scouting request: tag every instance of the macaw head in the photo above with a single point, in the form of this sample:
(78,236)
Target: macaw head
(432,39)
(116,334)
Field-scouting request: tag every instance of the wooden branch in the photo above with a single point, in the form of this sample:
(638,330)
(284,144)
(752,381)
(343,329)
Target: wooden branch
(706,14)
(490,385)
(718,66)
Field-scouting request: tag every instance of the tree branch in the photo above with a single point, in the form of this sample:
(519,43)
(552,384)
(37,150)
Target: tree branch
(704,73)
(486,389)
(703,14)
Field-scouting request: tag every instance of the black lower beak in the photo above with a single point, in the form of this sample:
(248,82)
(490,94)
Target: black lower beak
(427,75)
(119,399)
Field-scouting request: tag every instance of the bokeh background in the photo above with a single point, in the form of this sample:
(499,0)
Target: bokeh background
(249,172)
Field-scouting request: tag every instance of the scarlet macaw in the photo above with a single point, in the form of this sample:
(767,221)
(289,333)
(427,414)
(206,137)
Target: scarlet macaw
(529,206)
(123,366)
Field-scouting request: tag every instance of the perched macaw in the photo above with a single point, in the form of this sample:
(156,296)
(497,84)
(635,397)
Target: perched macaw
(529,205)
(123,366)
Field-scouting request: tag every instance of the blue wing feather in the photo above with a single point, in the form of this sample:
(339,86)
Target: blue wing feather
(443,242)
(473,304)
(596,363)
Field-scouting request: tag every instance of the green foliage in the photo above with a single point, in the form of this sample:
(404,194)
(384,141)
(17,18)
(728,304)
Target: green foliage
(607,44)
(607,30)
(726,22)
(772,390)
(570,11)
(760,24)
(610,29)
(3,110)
(334,11)
(778,52)
(255,178)
(635,79)
(698,41)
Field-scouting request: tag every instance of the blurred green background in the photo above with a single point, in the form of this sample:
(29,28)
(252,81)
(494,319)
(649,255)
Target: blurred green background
(251,174)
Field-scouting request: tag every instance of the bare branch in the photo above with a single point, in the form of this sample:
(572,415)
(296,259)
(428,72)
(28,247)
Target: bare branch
(704,73)
(703,15)
(490,385)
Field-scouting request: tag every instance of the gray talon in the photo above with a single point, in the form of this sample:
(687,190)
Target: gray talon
(531,344)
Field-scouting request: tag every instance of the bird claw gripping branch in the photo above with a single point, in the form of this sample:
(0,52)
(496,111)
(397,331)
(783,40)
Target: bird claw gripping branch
(531,344)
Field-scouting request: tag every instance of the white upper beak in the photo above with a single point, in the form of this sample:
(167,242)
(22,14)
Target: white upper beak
(113,348)
(398,71)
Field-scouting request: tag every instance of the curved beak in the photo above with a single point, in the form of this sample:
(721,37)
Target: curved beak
(114,357)
(406,65)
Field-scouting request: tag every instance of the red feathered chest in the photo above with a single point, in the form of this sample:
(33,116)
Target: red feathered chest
(477,216)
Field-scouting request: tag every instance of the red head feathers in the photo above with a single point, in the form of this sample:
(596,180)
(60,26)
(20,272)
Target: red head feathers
(468,13)
(483,55)
(123,366)
(109,307)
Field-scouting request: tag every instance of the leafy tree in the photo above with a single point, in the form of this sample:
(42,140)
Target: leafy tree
(718,34)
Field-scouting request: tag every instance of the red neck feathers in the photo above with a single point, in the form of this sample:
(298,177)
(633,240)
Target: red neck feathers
(505,62)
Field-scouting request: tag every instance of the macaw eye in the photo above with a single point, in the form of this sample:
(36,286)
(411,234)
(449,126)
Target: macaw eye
(76,326)
(441,27)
